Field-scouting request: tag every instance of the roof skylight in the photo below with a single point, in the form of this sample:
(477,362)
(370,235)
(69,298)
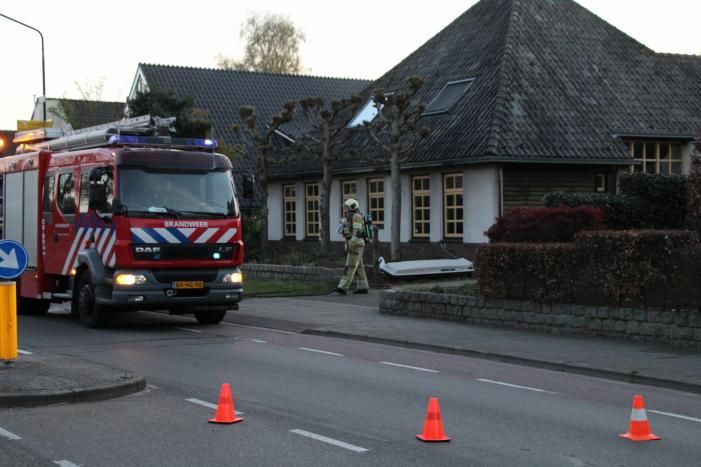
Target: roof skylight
(448,96)
(366,115)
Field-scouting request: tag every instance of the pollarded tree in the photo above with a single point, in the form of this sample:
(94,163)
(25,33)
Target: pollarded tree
(396,131)
(272,44)
(322,127)
(262,141)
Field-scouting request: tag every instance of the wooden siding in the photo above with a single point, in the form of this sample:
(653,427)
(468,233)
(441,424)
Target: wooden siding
(526,185)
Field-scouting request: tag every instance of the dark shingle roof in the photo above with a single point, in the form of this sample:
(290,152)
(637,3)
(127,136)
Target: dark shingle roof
(553,82)
(222,92)
(91,113)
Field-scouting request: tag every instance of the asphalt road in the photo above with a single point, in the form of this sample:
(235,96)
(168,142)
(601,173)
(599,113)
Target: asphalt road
(310,400)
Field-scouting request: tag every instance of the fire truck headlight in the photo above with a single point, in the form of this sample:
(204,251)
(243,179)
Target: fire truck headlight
(234,277)
(130,279)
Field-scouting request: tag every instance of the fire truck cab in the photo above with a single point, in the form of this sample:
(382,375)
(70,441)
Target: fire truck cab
(124,217)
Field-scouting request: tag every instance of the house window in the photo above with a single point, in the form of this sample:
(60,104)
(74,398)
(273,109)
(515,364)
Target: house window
(448,96)
(376,201)
(289,203)
(657,157)
(452,205)
(66,195)
(600,183)
(311,200)
(421,209)
(349,190)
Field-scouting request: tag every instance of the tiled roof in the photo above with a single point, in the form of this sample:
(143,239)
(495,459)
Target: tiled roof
(222,92)
(553,82)
(91,113)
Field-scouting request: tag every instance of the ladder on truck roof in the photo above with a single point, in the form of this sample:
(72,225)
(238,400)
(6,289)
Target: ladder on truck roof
(138,131)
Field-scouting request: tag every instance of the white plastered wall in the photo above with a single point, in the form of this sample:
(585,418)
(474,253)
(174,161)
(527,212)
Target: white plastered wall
(481,199)
(275,211)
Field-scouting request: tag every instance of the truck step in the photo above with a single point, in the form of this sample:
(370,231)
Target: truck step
(62,295)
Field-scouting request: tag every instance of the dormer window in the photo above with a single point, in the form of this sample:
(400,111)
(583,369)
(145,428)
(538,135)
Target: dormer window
(448,96)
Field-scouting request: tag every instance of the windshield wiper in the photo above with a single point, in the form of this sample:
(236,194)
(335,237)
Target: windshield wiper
(206,213)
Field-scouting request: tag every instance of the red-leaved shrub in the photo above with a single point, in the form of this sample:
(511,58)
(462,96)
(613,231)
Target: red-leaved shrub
(545,225)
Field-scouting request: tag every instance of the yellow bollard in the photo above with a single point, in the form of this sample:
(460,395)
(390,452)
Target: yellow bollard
(8,321)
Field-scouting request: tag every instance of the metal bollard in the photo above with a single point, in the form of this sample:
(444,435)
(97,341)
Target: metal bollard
(8,322)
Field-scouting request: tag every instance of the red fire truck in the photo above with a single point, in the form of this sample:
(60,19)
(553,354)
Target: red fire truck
(124,217)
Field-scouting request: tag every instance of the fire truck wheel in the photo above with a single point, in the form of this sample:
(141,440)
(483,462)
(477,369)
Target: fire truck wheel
(31,306)
(210,316)
(92,315)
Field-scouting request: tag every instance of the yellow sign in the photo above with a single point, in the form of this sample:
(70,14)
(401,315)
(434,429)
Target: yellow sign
(24,125)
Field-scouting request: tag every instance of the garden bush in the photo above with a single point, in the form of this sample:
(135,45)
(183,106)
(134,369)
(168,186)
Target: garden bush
(648,268)
(545,224)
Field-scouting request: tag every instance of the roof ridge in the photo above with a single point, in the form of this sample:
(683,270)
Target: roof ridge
(500,111)
(270,73)
(83,100)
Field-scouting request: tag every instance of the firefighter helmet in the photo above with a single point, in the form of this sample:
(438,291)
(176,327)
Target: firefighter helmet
(351,204)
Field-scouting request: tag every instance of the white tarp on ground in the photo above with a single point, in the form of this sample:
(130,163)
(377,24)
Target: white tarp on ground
(427,267)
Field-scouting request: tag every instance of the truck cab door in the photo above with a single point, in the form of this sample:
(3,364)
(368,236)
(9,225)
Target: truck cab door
(61,243)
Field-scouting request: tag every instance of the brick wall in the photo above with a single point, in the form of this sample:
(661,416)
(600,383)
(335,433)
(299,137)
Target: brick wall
(679,328)
(302,273)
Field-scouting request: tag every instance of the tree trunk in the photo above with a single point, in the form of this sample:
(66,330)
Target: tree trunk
(395,181)
(325,206)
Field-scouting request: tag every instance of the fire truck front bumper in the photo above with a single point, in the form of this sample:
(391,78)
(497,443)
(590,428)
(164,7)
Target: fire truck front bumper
(172,289)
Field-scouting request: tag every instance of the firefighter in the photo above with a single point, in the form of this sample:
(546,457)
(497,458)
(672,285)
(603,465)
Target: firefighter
(355,233)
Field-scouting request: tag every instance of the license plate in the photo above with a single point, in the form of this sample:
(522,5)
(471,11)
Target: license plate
(188,285)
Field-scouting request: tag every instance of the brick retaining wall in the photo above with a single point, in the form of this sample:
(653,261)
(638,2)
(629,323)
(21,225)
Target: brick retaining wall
(679,328)
(302,273)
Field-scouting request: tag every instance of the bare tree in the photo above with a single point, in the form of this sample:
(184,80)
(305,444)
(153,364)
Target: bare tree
(322,132)
(262,140)
(272,44)
(91,95)
(396,131)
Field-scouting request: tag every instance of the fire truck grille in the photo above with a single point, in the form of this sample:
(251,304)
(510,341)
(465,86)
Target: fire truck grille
(167,276)
(165,252)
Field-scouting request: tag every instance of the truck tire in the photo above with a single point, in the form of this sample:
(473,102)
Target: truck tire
(31,306)
(210,316)
(91,314)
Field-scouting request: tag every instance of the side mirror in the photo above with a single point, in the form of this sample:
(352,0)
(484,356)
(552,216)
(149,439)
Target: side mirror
(249,186)
(118,208)
(98,197)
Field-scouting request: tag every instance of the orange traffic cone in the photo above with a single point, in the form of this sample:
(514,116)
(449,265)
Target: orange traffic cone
(433,426)
(225,409)
(639,426)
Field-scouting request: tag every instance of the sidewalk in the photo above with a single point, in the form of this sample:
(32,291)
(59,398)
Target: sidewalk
(41,379)
(357,317)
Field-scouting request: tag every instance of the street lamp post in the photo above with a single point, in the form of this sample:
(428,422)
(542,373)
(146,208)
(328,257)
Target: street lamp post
(43,69)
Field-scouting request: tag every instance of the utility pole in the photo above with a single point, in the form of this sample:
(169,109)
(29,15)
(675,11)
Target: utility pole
(43,69)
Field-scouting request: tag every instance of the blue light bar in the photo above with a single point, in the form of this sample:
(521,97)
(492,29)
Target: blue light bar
(163,141)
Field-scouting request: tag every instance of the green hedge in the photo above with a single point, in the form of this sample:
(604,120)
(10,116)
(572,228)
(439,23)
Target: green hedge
(645,202)
(615,268)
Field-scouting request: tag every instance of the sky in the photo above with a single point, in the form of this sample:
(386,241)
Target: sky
(88,42)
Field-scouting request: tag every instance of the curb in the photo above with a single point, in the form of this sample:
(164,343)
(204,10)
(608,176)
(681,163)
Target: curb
(98,393)
(504,358)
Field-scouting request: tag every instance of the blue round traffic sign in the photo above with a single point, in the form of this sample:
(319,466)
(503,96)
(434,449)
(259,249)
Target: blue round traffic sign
(13,259)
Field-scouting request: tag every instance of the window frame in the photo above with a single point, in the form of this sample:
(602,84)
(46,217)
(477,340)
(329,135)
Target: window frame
(379,195)
(291,199)
(426,194)
(454,192)
(69,216)
(345,197)
(657,159)
(307,198)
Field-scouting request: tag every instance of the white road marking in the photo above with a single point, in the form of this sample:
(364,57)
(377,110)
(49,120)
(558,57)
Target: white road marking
(277,331)
(152,386)
(208,404)
(513,385)
(321,351)
(6,434)
(23,352)
(186,329)
(66,464)
(683,417)
(324,439)
(410,367)
(259,341)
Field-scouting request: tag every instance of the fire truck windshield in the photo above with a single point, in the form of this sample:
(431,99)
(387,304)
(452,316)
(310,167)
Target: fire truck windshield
(146,193)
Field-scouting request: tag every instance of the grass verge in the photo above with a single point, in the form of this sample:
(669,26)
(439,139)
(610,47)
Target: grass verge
(274,287)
